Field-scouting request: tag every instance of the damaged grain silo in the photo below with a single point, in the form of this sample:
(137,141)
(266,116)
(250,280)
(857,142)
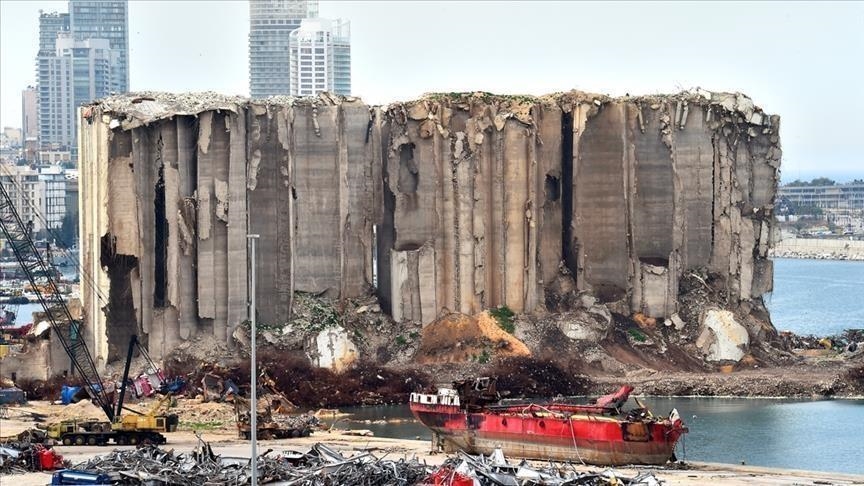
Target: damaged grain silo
(449,203)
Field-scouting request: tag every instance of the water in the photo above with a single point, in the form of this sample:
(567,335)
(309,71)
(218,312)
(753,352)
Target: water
(24,312)
(794,434)
(813,435)
(67,264)
(820,297)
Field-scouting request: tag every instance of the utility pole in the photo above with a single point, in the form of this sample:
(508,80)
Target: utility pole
(253,402)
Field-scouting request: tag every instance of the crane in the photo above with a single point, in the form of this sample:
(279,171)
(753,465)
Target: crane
(123,429)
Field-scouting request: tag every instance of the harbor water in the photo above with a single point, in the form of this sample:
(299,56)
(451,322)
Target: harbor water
(819,297)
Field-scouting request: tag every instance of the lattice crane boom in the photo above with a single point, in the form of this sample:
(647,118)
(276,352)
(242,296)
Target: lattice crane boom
(17,233)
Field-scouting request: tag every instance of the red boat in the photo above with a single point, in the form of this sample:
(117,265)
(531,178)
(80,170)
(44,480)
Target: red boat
(472,417)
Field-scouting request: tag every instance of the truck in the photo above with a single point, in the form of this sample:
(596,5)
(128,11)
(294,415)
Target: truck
(143,428)
(134,428)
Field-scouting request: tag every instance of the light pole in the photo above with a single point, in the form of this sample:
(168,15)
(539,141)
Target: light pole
(253,402)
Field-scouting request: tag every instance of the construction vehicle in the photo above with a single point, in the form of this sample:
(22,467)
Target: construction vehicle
(122,429)
(274,421)
(270,425)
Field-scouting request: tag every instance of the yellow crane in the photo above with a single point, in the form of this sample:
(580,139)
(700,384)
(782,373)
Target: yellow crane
(122,429)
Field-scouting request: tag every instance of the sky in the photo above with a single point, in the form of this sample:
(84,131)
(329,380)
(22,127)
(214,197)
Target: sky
(801,60)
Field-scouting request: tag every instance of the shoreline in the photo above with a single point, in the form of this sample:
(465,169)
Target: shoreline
(815,256)
(694,472)
(818,249)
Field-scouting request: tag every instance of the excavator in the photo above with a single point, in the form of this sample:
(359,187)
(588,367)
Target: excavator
(137,428)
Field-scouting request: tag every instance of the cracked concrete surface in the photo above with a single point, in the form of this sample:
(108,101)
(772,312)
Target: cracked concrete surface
(449,203)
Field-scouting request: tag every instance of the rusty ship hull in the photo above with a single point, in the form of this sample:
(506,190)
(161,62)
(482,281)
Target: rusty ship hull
(558,432)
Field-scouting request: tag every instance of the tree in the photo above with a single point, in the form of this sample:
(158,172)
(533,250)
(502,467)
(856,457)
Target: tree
(822,181)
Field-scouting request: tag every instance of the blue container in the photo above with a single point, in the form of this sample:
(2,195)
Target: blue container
(71,476)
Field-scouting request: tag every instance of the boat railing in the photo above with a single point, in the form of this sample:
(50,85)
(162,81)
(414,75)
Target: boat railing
(443,399)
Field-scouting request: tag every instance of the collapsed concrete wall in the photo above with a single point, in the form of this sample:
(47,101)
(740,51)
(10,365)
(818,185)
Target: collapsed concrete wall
(456,202)
(472,211)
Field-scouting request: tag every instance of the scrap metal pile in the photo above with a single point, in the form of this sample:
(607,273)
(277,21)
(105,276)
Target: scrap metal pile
(23,456)
(495,470)
(324,466)
(321,465)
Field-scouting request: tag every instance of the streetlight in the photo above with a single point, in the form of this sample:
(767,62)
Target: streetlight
(253,402)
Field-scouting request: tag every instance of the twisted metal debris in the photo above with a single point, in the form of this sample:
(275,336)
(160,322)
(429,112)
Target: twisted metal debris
(320,466)
(324,466)
(495,470)
(19,456)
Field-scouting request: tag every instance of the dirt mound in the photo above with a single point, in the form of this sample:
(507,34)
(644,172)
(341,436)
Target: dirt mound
(80,410)
(194,412)
(458,338)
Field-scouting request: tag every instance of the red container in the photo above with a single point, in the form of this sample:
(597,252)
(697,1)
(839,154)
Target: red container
(49,460)
(448,477)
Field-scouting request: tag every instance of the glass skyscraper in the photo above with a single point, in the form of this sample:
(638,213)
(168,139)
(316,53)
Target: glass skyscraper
(271,24)
(92,19)
(83,55)
(320,58)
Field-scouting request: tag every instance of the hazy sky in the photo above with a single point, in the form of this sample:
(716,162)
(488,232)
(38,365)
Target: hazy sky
(803,61)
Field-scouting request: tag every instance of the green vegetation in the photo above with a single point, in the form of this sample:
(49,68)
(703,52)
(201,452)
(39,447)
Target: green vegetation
(808,210)
(262,326)
(637,335)
(482,358)
(199,426)
(401,341)
(819,181)
(504,317)
(314,314)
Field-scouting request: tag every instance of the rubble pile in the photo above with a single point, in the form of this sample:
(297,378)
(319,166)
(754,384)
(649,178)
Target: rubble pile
(45,389)
(320,465)
(460,338)
(850,341)
(854,377)
(25,455)
(272,423)
(532,377)
(306,386)
(495,470)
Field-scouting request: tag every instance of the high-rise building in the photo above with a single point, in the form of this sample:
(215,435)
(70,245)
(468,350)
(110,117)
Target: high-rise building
(83,55)
(79,71)
(29,115)
(51,24)
(320,57)
(38,195)
(271,23)
(104,19)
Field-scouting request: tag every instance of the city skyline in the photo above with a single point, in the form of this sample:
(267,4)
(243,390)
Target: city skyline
(320,57)
(271,23)
(83,55)
(399,53)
